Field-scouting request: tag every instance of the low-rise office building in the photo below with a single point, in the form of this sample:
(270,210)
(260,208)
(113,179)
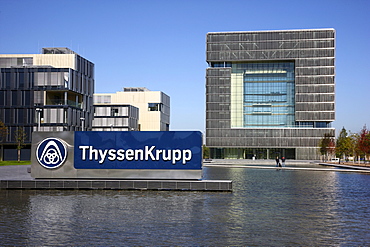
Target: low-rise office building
(52,91)
(154,106)
(115,117)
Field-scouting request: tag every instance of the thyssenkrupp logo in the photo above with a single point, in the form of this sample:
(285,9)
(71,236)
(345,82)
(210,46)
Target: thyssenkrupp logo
(51,153)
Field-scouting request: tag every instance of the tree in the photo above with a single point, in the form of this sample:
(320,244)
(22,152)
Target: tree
(364,142)
(20,137)
(3,134)
(205,152)
(327,146)
(343,145)
(355,152)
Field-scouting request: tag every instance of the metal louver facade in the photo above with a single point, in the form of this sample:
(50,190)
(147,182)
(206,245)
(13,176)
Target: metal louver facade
(253,107)
(51,91)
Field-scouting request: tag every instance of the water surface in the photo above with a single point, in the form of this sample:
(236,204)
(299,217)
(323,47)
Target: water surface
(267,207)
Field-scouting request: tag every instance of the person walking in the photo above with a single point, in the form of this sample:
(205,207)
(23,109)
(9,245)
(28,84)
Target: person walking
(277,161)
(283,161)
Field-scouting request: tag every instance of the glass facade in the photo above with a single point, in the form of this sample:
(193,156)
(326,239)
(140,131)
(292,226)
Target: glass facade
(268,94)
(250,153)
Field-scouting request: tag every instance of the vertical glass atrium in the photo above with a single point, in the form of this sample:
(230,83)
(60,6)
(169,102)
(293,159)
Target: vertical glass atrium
(262,95)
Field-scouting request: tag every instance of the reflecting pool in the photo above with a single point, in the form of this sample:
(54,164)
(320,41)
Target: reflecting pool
(267,207)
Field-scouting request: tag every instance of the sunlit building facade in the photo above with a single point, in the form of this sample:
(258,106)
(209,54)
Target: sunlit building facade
(154,106)
(115,117)
(51,91)
(269,93)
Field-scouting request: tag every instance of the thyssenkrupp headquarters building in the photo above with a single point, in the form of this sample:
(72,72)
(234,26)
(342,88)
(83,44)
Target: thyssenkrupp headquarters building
(269,93)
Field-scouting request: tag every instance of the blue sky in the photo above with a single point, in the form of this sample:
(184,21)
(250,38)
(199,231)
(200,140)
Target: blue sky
(161,44)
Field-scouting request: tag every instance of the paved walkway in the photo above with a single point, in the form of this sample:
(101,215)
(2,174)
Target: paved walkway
(256,162)
(348,166)
(15,172)
(291,168)
(290,165)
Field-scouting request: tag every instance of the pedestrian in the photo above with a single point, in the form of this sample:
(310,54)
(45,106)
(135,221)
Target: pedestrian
(283,161)
(277,161)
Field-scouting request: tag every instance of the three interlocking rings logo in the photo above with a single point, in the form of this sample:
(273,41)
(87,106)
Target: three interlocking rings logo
(51,153)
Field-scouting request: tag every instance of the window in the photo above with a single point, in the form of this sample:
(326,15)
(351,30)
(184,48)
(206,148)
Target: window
(114,112)
(321,125)
(98,99)
(221,65)
(154,106)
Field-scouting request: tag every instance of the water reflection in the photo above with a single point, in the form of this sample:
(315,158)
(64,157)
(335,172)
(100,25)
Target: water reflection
(52,217)
(267,207)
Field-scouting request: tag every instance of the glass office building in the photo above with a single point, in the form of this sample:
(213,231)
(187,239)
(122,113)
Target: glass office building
(269,93)
(51,91)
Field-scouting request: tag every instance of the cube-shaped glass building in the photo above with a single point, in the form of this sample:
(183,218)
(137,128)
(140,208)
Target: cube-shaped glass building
(269,93)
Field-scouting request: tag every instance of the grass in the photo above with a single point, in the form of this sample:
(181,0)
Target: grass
(14,162)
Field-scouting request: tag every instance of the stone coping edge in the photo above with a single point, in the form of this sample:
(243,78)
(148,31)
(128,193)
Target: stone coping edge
(169,185)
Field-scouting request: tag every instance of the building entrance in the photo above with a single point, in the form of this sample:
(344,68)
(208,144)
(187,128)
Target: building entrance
(249,153)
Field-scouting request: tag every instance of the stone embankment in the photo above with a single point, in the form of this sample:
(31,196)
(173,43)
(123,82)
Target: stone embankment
(348,165)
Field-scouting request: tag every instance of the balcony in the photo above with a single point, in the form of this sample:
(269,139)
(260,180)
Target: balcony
(60,98)
(62,102)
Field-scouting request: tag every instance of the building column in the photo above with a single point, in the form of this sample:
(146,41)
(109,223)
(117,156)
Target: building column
(65,98)
(2,152)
